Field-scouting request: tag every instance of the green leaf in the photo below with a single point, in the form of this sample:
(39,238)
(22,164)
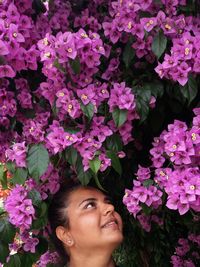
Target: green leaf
(159,44)
(84,177)
(88,110)
(114,142)
(142,109)
(115,162)
(10,166)
(75,65)
(59,66)
(14,261)
(95,164)
(7,231)
(128,54)
(35,196)
(20,176)
(147,210)
(41,220)
(3,177)
(98,183)
(37,161)
(39,6)
(157,88)
(147,183)
(190,90)
(4,252)
(28,259)
(119,116)
(71,155)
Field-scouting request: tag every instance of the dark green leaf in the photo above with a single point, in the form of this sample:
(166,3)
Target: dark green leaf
(39,6)
(148,182)
(4,252)
(159,44)
(114,143)
(88,110)
(147,210)
(28,259)
(156,88)
(142,109)
(98,183)
(71,155)
(75,65)
(119,116)
(20,176)
(190,90)
(128,54)
(115,161)
(59,66)
(29,113)
(95,164)
(84,177)
(3,177)
(35,196)
(37,161)
(7,231)
(14,261)
(10,166)
(41,220)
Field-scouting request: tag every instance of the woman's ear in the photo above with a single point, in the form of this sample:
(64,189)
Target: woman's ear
(64,235)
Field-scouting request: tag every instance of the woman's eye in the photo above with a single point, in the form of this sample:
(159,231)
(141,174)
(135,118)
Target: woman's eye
(90,205)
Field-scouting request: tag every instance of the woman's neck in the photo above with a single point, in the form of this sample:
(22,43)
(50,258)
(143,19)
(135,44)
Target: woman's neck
(94,259)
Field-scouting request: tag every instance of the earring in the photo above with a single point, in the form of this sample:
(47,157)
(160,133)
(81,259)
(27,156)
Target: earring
(69,241)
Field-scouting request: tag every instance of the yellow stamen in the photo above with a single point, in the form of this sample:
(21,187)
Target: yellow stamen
(69,50)
(168,27)
(129,25)
(45,41)
(61,94)
(83,96)
(31,129)
(192,187)
(187,51)
(15,34)
(162,173)
(84,35)
(194,136)
(47,54)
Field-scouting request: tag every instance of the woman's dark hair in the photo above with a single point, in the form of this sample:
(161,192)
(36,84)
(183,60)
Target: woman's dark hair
(57,216)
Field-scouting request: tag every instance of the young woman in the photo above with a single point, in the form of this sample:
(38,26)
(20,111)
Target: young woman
(85,227)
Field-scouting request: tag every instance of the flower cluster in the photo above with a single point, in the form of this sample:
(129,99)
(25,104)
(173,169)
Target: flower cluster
(46,258)
(183,32)
(20,208)
(181,182)
(184,255)
(68,74)
(151,196)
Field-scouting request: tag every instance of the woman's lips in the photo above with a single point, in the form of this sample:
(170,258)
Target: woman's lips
(111,224)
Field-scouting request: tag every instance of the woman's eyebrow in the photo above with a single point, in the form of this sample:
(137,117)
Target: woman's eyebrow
(87,199)
(107,198)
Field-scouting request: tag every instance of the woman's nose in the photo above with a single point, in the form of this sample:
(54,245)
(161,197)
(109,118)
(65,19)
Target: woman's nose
(108,208)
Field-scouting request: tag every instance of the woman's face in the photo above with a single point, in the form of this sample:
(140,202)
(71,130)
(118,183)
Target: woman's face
(93,221)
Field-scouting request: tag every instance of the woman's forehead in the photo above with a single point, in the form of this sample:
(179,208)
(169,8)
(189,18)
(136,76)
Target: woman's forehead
(85,193)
